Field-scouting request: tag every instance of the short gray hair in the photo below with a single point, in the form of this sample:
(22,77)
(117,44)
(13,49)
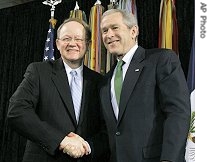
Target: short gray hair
(128,18)
(84,24)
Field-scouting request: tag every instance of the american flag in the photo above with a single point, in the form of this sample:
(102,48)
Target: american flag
(49,47)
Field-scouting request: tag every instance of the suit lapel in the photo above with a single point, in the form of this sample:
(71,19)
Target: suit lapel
(109,104)
(60,80)
(131,77)
(86,88)
(107,95)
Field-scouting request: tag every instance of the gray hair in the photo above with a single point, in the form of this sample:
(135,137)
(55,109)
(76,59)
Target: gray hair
(84,24)
(128,18)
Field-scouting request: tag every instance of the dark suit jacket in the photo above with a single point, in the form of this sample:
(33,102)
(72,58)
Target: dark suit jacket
(154,109)
(41,109)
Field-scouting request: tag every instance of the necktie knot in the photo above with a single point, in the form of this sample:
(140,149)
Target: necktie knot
(120,64)
(73,73)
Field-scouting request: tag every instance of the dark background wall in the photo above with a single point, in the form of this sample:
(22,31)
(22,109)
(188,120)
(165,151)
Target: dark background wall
(23,31)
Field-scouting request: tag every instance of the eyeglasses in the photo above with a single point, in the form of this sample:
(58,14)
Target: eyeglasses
(69,39)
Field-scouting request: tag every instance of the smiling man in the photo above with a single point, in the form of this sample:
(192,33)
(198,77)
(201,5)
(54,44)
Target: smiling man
(144,97)
(56,107)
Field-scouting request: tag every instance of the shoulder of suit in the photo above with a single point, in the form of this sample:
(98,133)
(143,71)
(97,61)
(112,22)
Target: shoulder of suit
(91,73)
(160,52)
(42,65)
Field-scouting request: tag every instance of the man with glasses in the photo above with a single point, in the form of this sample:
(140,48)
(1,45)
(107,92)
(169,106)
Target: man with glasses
(56,107)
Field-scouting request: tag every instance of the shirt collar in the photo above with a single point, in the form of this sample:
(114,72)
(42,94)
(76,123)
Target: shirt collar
(68,69)
(128,56)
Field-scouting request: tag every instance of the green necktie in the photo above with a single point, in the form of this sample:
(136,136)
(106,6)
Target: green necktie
(118,80)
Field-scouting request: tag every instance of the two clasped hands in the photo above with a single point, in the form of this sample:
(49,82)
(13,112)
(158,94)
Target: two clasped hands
(75,146)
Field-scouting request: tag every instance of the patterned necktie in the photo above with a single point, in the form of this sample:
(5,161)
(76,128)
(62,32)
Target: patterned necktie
(118,80)
(76,92)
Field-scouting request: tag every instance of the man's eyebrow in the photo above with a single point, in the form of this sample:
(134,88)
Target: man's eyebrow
(109,26)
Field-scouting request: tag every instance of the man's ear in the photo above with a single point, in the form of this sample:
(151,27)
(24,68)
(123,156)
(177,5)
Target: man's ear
(89,43)
(135,31)
(57,44)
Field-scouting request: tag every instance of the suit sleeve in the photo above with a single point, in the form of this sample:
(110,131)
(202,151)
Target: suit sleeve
(99,142)
(22,113)
(175,103)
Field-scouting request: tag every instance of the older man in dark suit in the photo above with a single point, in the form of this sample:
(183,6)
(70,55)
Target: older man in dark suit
(44,110)
(144,98)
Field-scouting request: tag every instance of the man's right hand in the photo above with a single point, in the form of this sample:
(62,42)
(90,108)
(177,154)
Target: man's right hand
(74,145)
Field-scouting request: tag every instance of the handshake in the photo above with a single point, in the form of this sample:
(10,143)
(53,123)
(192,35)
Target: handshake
(75,146)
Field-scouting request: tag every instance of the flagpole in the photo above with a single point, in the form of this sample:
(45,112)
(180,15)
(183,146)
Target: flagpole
(52,3)
(49,44)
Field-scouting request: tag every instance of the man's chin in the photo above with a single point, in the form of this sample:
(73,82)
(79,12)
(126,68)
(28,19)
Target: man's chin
(113,52)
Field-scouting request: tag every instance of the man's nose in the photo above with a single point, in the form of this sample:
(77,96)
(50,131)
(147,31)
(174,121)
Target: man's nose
(110,33)
(72,42)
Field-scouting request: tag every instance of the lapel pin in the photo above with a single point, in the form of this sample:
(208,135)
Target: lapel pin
(136,70)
